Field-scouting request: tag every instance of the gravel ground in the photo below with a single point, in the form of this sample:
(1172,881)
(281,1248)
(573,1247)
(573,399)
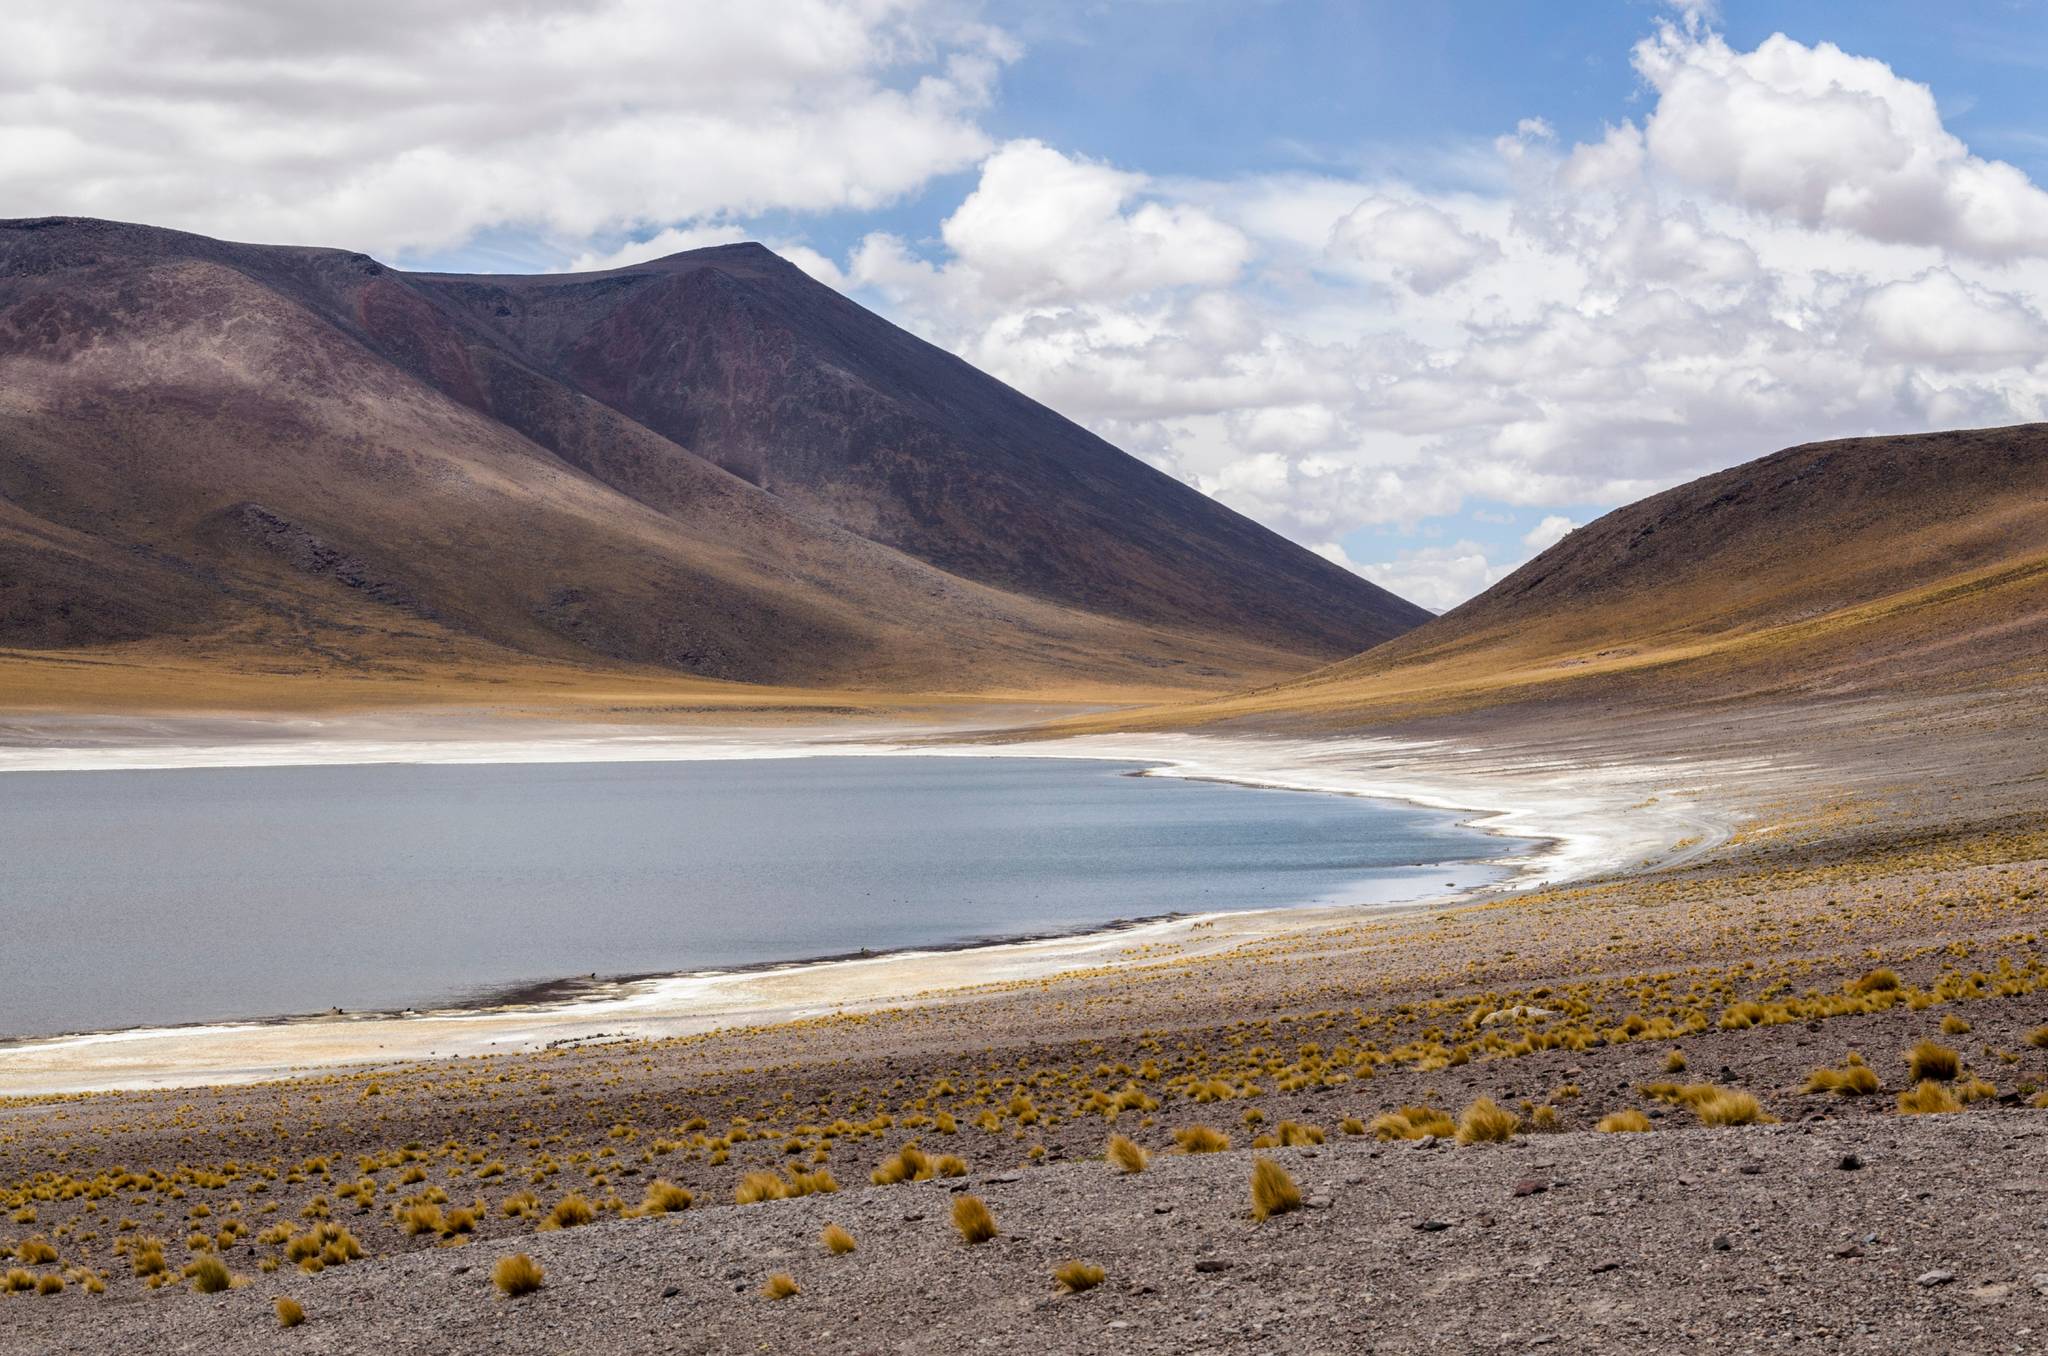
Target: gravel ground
(1751,1239)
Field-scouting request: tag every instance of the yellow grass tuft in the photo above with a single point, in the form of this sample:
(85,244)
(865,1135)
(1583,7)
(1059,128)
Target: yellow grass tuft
(290,1314)
(1725,1106)
(1485,1122)
(781,1286)
(1928,1097)
(1273,1191)
(1955,1024)
(665,1198)
(517,1275)
(2038,1038)
(908,1164)
(210,1275)
(1629,1122)
(571,1211)
(50,1283)
(1877,981)
(1413,1122)
(1854,1080)
(1930,1059)
(1076,1276)
(972,1218)
(837,1241)
(1200,1139)
(760,1186)
(1674,1062)
(1125,1154)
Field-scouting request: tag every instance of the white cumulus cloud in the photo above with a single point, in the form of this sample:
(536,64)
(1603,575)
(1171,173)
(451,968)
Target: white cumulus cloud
(1829,139)
(410,125)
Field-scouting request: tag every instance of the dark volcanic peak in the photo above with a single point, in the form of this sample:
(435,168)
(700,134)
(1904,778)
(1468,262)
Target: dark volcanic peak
(709,462)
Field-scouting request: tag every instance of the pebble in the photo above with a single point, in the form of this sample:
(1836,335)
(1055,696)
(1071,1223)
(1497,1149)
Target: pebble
(1531,1186)
(1721,1243)
(1929,1279)
(671,1291)
(1213,1264)
(1433,1226)
(1849,1162)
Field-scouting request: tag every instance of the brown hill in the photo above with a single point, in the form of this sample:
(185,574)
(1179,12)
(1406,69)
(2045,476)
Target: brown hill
(1914,564)
(709,465)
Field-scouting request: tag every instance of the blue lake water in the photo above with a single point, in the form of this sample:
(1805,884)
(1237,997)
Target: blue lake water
(155,897)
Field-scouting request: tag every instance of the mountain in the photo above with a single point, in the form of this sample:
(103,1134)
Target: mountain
(709,464)
(1869,566)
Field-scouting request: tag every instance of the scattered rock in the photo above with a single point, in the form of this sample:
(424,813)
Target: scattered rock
(1601,1268)
(1849,1162)
(1213,1264)
(671,1291)
(1433,1226)
(1531,1186)
(1721,1243)
(1927,1280)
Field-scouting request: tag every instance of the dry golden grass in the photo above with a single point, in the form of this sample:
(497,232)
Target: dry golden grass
(571,1211)
(1955,1024)
(837,1241)
(1725,1106)
(2038,1038)
(1273,1190)
(1853,1079)
(1629,1122)
(1075,1276)
(1928,1097)
(1125,1154)
(1930,1059)
(665,1198)
(1200,1139)
(35,1252)
(50,1283)
(1485,1122)
(1674,1063)
(781,1286)
(907,1164)
(972,1218)
(517,1275)
(209,1275)
(290,1313)
(1413,1122)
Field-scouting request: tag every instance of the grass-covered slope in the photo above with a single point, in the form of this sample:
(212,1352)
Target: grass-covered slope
(1914,564)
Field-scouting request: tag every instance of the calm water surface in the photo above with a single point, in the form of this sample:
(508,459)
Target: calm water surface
(143,898)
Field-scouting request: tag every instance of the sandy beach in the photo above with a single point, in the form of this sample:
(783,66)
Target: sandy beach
(1578,820)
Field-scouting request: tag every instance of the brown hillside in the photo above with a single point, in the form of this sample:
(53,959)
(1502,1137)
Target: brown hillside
(300,458)
(1863,566)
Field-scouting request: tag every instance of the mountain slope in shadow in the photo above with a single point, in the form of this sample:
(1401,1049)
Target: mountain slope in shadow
(709,464)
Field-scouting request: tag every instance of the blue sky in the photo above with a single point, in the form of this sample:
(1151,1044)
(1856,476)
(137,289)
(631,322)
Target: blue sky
(1421,286)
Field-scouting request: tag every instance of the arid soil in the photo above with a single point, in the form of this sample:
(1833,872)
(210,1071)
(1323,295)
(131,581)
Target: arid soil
(1900,898)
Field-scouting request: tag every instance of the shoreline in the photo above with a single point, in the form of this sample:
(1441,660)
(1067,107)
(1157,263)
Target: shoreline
(1580,821)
